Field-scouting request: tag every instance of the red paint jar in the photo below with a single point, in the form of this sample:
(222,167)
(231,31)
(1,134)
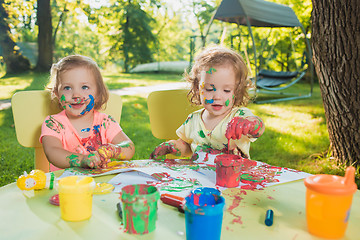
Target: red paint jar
(228,167)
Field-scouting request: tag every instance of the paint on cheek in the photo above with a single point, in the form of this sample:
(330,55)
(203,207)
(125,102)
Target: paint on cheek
(213,87)
(90,106)
(63,101)
(227,102)
(209,101)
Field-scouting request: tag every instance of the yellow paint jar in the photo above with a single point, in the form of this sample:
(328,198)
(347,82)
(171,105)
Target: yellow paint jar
(328,203)
(75,196)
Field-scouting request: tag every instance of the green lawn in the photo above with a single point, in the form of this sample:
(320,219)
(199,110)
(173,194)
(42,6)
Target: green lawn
(295,135)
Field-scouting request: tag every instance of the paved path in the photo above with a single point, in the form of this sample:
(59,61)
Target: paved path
(4,104)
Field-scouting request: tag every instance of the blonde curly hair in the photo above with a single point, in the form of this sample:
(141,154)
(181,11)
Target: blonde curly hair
(216,56)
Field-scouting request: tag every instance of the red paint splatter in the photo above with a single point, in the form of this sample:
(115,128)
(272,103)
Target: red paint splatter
(237,220)
(237,198)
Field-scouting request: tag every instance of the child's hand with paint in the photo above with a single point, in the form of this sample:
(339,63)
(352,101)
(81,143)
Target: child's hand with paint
(108,151)
(250,126)
(92,160)
(118,151)
(165,148)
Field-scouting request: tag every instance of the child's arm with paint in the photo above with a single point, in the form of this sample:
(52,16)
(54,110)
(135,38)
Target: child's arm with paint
(177,147)
(251,126)
(61,158)
(120,148)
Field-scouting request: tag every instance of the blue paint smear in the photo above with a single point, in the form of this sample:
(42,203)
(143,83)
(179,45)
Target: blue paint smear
(96,128)
(89,106)
(209,101)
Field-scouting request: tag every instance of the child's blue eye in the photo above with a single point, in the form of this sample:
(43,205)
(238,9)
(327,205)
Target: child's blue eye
(67,88)
(85,87)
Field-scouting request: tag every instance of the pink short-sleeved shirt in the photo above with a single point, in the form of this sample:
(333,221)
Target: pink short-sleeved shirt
(103,130)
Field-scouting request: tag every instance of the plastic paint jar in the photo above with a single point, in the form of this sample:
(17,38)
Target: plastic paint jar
(228,167)
(139,207)
(204,210)
(328,203)
(75,196)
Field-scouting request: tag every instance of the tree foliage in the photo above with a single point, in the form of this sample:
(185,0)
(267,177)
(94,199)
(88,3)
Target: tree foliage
(14,60)
(130,32)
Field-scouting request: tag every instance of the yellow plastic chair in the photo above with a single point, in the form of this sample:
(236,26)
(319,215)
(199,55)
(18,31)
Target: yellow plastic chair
(168,109)
(30,109)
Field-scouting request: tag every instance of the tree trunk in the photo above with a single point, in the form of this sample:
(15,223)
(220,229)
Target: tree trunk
(45,52)
(15,62)
(335,43)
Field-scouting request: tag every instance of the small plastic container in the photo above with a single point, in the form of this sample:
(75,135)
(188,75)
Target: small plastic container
(75,196)
(139,208)
(328,203)
(228,168)
(204,210)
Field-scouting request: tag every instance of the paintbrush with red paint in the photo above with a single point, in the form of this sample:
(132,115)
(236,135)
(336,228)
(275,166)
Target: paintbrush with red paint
(174,201)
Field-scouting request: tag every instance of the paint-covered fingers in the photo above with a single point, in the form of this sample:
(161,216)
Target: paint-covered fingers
(234,128)
(103,161)
(163,149)
(93,160)
(108,151)
(258,127)
(238,127)
(247,126)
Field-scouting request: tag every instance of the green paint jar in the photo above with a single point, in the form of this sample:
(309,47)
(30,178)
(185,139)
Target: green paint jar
(139,206)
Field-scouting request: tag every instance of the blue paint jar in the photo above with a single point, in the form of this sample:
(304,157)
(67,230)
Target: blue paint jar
(204,210)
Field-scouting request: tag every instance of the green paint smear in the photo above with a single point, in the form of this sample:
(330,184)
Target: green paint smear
(125,144)
(201,134)
(210,70)
(248,177)
(227,102)
(241,112)
(178,185)
(139,208)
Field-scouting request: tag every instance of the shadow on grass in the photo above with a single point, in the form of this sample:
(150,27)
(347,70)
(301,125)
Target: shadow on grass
(14,158)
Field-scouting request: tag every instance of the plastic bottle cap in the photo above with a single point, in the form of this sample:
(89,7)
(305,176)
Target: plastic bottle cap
(332,184)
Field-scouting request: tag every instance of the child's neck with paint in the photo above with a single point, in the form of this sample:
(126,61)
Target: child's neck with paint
(82,121)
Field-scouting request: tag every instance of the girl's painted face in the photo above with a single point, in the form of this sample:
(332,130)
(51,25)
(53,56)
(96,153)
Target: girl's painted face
(217,86)
(77,92)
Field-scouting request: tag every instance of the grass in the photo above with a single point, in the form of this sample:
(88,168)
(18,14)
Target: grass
(296,135)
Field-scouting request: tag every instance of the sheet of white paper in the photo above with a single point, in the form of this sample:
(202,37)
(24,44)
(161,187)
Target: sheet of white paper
(179,179)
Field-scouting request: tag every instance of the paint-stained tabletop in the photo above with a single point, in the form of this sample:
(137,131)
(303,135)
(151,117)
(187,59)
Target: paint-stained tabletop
(29,215)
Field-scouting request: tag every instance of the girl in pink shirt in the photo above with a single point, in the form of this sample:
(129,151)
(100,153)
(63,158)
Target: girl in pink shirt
(80,136)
